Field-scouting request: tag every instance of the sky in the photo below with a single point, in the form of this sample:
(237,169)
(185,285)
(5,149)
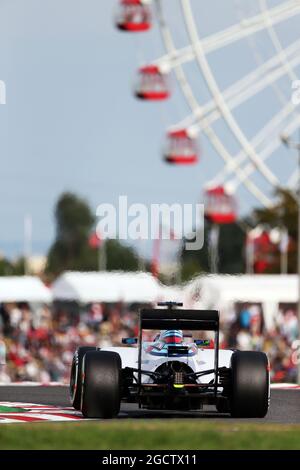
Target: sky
(70,122)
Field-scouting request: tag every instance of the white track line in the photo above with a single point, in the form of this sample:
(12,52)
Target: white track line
(285,387)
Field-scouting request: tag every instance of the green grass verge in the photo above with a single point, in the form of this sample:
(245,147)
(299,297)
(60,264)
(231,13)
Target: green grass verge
(154,434)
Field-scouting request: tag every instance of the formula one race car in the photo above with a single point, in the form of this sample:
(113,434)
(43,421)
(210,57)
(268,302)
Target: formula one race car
(172,372)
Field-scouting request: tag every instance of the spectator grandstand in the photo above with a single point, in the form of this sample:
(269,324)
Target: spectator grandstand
(39,344)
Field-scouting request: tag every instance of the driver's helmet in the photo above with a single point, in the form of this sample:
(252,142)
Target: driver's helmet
(171,336)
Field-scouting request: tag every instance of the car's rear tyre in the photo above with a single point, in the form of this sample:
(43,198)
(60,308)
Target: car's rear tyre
(250,384)
(101,387)
(76,375)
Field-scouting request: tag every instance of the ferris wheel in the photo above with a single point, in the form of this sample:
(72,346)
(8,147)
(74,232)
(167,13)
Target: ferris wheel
(245,55)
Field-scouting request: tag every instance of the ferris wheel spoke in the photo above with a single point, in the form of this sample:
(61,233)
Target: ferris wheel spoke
(218,97)
(195,108)
(280,51)
(240,175)
(251,26)
(271,146)
(266,68)
(271,129)
(244,89)
(170,47)
(293,180)
(243,29)
(283,55)
(275,40)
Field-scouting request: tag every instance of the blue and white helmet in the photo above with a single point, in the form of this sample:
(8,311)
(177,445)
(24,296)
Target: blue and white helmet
(171,337)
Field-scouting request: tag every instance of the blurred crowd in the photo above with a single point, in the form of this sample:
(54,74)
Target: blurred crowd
(38,344)
(247,331)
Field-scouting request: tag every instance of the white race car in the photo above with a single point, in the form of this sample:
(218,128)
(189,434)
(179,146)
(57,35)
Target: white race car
(171,372)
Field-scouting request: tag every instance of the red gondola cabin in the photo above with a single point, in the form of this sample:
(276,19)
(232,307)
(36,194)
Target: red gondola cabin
(134,16)
(152,84)
(220,207)
(182,148)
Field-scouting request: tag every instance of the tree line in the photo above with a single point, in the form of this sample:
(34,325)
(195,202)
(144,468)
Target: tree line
(75,247)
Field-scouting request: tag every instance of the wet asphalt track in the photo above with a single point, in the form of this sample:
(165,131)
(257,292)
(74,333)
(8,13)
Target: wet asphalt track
(285,405)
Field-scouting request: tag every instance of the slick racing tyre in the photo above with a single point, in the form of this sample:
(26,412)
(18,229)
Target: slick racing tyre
(101,388)
(76,375)
(250,384)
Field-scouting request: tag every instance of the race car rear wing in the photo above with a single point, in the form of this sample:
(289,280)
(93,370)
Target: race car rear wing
(172,319)
(169,319)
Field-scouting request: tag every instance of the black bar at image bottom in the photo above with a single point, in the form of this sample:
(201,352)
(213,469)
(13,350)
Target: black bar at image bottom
(137,458)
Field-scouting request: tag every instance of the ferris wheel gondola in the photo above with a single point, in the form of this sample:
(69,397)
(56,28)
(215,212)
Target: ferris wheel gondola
(134,16)
(152,84)
(182,148)
(220,206)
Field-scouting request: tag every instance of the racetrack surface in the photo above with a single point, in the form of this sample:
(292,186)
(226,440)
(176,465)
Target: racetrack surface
(285,405)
